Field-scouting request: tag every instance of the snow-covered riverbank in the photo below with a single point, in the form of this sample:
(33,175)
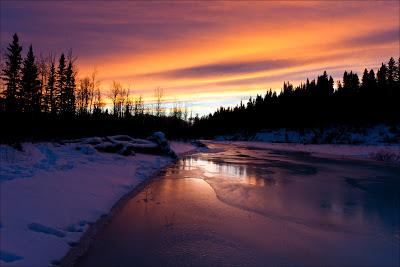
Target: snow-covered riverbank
(51,193)
(379,142)
(387,153)
(381,134)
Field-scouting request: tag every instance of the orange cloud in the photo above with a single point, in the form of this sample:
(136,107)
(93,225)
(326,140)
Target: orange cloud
(208,50)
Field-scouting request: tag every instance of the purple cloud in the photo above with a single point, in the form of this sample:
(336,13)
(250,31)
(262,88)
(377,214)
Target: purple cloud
(381,37)
(228,68)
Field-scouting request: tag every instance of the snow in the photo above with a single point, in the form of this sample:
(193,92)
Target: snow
(50,194)
(162,142)
(389,153)
(181,148)
(378,142)
(159,137)
(373,135)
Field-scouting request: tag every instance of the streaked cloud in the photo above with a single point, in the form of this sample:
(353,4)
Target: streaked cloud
(202,51)
(226,69)
(379,37)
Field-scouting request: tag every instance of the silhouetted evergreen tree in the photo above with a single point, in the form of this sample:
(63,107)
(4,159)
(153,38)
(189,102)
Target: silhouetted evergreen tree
(368,83)
(391,72)
(381,77)
(365,81)
(396,89)
(392,76)
(398,72)
(70,87)
(12,75)
(61,96)
(30,84)
(324,85)
(51,90)
(372,82)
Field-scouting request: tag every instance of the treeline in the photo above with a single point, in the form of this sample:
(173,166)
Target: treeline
(316,103)
(43,98)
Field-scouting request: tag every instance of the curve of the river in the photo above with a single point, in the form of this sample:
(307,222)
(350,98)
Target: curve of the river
(243,206)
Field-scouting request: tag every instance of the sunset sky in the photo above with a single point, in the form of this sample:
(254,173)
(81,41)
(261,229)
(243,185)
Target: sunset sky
(208,53)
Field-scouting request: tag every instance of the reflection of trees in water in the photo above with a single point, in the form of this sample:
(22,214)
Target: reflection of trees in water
(258,176)
(263,159)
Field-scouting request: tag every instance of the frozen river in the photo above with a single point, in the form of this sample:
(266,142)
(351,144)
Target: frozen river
(246,206)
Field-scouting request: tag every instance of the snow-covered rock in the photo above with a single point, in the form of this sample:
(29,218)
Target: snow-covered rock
(127,150)
(90,140)
(109,147)
(159,138)
(126,145)
(117,138)
(163,144)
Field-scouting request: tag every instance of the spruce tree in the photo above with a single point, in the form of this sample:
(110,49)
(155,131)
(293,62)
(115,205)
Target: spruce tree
(391,72)
(372,82)
(397,81)
(50,90)
(355,82)
(365,82)
(331,82)
(30,84)
(398,73)
(70,89)
(60,95)
(391,76)
(346,83)
(12,75)
(381,77)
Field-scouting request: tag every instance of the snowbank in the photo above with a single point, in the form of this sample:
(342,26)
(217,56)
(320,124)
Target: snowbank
(380,142)
(51,193)
(389,153)
(378,134)
(181,148)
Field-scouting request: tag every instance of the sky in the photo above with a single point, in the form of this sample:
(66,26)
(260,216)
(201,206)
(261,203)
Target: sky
(207,53)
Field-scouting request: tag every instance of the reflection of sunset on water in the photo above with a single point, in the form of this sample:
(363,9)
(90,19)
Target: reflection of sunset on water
(256,207)
(235,173)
